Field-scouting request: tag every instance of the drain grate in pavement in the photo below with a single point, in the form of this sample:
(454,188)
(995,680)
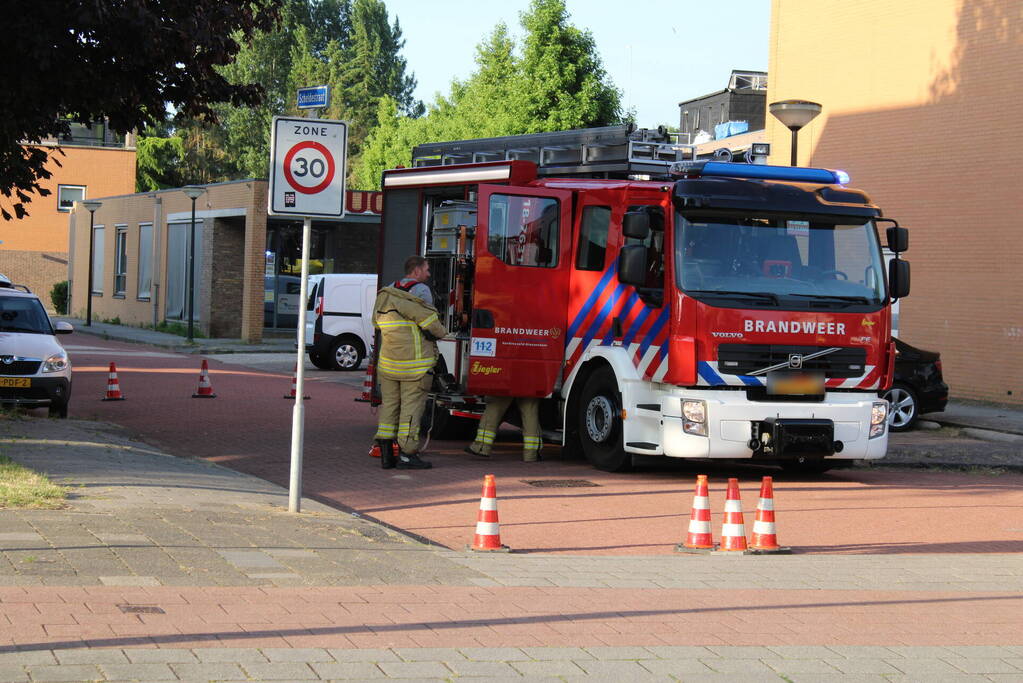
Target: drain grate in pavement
(141,609)
(558,483)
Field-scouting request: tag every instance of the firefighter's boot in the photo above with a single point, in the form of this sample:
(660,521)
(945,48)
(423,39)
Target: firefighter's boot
(412,461)
(387,457)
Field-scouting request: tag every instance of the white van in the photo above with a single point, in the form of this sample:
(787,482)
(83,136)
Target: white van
(339,319)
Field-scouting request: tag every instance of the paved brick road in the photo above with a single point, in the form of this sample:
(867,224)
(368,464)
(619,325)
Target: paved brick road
(248,428)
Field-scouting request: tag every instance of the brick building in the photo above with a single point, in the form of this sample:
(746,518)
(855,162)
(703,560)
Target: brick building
(94,163)
(246,262)
(920,105)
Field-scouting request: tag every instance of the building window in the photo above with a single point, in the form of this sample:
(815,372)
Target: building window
(145,261)
(593,238)
(97,260)
(120,259)
(67,195)
(523,231)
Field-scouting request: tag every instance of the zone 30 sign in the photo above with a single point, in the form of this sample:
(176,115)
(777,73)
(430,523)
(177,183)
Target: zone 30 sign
(307,167)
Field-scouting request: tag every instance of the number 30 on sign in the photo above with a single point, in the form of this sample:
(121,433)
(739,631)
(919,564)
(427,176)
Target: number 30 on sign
(307,167)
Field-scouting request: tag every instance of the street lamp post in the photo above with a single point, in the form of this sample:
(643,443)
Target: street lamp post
(192,192)
(91,207)
(794,114)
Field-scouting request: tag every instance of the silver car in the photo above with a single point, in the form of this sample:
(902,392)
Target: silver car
(35,370)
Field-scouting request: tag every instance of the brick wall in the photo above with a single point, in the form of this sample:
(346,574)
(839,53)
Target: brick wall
(225,265)
(38,270)
(921,100)
(27,244)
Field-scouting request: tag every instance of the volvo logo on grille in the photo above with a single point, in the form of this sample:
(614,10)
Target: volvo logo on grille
(795,360)
(7,359)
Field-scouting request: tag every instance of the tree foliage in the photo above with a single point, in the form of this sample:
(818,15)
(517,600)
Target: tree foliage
(348,45)
(557,83)
(125,61)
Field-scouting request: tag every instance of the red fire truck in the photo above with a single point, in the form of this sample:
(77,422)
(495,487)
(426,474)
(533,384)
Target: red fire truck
(659,304)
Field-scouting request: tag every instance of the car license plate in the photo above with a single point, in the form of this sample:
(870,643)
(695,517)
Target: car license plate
(795,383)
(15,382)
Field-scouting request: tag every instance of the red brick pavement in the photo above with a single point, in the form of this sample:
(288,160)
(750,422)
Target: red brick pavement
(453,616)
(248,428)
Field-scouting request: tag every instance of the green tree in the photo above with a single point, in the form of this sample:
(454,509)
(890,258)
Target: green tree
(565,85)
(348,45)
(158,162)
(558,83)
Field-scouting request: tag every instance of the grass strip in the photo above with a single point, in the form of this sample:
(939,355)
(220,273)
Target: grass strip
(21,487)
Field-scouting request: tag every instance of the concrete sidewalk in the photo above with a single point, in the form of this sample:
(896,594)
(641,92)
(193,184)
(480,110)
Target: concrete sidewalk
(173,569)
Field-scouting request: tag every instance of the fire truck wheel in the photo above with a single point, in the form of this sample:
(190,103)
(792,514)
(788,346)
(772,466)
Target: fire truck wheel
(600,423)
(346,354)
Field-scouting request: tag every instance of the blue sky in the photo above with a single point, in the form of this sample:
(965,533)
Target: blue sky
(657,52)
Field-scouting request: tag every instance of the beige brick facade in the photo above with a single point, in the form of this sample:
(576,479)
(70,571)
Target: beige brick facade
(229,277)
(921,105)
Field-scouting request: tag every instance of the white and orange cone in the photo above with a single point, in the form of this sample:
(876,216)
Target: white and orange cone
(699,539)
(113,386)
(733,531)
(205,389)
(488,531)
(294,386)
(367,383)
(764,538)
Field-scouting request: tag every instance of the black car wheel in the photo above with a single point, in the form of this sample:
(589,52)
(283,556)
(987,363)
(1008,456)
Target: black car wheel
(58,409)
(346,354)
(600,423)
(903,407)
(319,361)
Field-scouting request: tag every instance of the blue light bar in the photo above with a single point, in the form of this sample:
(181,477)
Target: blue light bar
(763,172)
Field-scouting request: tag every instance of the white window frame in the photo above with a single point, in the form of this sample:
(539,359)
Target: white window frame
(60,193)
(120,260)
(144,280)
(98,233)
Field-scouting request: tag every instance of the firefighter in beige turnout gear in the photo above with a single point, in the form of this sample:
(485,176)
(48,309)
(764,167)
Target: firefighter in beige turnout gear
(408,326)
(529,409)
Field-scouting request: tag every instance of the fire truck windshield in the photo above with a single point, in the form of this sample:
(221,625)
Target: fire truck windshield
(755,261)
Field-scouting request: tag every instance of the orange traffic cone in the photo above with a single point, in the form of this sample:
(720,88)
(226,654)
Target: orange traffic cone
(764,538)
(733,531)
(205,389)
(113,386)
(488,532)
(294,386)
(699,539)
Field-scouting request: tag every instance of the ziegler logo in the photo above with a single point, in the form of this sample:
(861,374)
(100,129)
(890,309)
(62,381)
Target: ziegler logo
(480,369)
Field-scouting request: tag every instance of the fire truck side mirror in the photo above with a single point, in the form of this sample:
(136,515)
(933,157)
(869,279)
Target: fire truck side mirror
(632,265)
(898,278)
(636,224)
(898,239)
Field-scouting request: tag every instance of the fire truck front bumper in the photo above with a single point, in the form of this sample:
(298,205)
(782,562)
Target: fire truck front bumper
(725,424)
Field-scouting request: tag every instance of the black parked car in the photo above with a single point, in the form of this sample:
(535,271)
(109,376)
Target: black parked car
(918,386)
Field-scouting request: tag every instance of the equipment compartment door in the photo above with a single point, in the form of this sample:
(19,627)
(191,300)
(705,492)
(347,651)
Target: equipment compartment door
(520,297)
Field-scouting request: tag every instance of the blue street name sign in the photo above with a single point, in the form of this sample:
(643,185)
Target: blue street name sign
(316,97)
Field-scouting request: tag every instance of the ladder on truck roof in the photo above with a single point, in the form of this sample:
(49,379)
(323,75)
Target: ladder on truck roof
(609,152)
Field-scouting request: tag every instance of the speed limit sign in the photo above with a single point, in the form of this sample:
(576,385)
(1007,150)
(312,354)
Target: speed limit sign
(307,167)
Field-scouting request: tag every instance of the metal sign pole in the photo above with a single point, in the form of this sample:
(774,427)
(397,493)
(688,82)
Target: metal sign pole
(298,412)
(307,166)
